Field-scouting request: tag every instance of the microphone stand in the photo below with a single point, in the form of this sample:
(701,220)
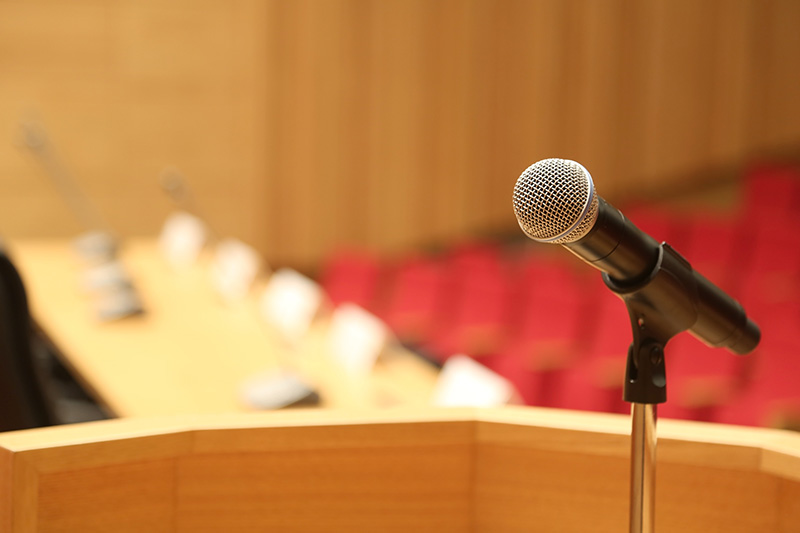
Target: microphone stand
(34,137)
(645,388)
(660,306)
(643,468)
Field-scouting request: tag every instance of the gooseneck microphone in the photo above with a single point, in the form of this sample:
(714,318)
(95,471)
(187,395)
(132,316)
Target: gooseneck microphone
(555,202)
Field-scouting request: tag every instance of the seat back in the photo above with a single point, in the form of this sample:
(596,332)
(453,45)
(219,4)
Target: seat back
(24,400)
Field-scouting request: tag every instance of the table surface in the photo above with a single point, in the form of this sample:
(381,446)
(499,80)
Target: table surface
(190,352)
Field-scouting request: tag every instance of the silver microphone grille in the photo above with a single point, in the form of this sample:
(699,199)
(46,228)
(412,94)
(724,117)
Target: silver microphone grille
(555,202)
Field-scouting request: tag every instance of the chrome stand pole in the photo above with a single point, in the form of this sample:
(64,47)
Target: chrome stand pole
(643,468)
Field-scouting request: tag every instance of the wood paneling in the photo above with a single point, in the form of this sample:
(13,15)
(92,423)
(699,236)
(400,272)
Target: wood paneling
(125,89)
(457,97)
(496,470)
(310,125)
(6,488)
(509,495)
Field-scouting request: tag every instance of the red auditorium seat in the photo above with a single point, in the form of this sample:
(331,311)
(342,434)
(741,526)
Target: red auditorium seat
(414,296)
(773,393)
(771,188)
(352,276)
(550,326)
(595,383)
(473,318)
(546,327)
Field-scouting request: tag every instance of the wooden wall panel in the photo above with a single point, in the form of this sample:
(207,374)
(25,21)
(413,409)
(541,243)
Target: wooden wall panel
(462,96)
(774,114)
(398,37)
(597,106)
(634,99)
(678,133)
(125,89)
(445,207)
(312,125)
(295,164)
(732,35)
(527,79)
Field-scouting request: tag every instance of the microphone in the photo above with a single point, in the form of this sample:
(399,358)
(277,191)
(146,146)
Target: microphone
(555,202)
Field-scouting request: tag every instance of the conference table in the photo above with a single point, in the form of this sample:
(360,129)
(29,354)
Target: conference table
(190,352)
(184,455)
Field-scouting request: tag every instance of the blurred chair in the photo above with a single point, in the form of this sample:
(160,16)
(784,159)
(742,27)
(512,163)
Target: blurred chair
(352,276)
(25,401)
(36,390)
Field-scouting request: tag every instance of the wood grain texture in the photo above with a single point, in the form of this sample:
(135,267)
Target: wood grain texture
(126,89)
(392,488)
(789,506)
(773,56)
(338,478)
(511,469)
(710,499)
(6,489)
(309,126)
(134,496)
(519,487)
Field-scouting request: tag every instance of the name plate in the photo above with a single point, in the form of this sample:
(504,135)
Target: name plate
(234,269)
(463,382)
(182,239)
(356,338)
(290,302)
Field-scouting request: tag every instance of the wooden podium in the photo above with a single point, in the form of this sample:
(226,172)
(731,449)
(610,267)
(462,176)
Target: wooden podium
(510,469)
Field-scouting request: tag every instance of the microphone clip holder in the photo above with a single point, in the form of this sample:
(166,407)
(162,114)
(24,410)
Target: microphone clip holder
(660,305)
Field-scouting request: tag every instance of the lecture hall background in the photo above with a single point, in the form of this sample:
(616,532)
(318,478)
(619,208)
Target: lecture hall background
(311,129)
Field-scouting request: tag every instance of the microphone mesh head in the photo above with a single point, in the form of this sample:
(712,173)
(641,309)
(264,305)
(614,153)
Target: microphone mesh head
(555,202)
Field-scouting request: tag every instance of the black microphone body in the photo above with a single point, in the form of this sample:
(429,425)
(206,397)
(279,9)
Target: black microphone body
(617,247)
(630,259)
